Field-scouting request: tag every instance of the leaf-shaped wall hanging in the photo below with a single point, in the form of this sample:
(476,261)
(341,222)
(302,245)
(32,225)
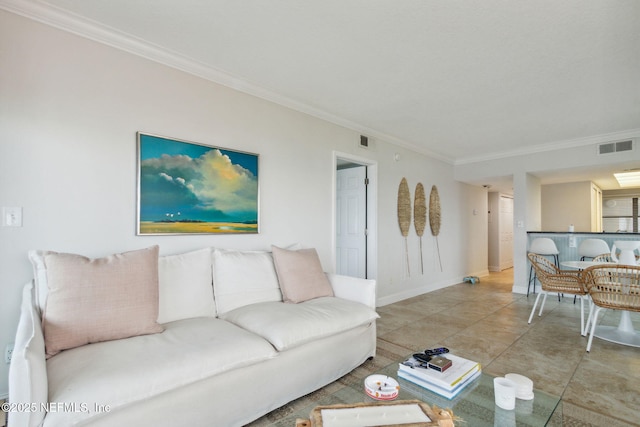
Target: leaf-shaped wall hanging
(434,217)
(420,216)
(404,215)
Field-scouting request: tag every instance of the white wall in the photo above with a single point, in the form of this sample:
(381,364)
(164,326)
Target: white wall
(526,217)
(494,231)
(566,204)
(69,112)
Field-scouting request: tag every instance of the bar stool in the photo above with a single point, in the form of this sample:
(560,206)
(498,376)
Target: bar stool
(546,247)
(591,248)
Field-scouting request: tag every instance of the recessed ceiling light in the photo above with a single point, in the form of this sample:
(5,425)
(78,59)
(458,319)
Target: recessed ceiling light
(628,179)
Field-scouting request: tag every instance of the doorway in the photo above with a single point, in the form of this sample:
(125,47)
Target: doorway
(500,229)
(354,225)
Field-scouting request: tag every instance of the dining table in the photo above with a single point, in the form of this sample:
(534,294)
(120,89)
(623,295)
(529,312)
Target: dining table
(624,333)
(581,265)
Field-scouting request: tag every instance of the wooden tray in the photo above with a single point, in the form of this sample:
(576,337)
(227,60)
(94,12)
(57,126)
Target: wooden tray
(438,417)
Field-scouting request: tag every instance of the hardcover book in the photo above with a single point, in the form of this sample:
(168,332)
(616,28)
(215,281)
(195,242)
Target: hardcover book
(449,380)
(437,390)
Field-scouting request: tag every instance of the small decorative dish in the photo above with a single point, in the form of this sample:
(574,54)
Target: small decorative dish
(381,387)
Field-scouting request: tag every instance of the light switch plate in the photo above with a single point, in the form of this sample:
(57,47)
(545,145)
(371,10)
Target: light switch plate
(12,217)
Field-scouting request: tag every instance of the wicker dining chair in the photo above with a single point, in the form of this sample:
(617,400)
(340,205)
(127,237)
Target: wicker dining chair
(542,246)
(603,258)
(611,286)
(553,280)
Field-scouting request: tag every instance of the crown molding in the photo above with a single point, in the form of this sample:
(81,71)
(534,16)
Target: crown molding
(553,146)
(109,36)
(100,33)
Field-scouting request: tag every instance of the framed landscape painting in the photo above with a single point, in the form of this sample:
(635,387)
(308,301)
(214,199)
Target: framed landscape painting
(190,188)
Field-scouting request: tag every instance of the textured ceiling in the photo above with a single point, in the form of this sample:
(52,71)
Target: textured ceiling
(461,79)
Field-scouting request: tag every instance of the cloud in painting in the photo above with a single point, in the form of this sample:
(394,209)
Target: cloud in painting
(226,186)
(208,188)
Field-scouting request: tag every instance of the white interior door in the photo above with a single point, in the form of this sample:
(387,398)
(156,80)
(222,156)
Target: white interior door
(351,222)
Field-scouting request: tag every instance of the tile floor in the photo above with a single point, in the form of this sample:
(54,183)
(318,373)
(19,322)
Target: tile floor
(488,323)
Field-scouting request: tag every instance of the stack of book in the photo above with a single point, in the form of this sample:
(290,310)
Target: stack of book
(448,383)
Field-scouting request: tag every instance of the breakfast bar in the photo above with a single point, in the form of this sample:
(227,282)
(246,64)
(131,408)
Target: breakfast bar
(568,243)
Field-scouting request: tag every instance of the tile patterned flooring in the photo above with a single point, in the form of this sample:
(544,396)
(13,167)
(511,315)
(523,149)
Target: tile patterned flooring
(488,323)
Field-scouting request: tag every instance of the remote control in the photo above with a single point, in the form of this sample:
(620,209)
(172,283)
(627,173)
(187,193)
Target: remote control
(436,351)
(421,357)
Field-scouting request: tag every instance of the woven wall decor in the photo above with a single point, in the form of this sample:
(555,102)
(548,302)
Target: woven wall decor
(420,216)
(434,217)
(404,215)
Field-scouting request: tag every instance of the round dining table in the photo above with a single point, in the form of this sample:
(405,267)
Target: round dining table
(624,333)
(581,265)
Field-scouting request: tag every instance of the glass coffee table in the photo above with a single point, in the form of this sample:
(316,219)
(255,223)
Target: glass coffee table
(474,406)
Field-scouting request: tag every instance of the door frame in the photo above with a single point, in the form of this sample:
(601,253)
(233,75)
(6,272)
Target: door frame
(372,211)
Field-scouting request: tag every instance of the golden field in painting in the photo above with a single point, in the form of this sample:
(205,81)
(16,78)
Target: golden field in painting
(148,227)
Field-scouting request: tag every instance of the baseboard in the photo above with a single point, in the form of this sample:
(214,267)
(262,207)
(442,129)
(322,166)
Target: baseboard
(499,268)
(520,289)
(401,296)
(480,273)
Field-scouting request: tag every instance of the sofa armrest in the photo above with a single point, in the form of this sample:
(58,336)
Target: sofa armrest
(354,289)
(28,386)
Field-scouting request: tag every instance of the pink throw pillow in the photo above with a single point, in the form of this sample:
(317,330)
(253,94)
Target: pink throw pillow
(93,300)
(300,275)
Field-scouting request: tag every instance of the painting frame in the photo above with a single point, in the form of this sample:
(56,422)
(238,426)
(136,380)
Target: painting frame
(191,188)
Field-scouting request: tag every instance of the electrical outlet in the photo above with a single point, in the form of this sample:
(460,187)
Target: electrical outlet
(8,353)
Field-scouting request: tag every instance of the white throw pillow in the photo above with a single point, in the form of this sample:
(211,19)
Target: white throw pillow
(243,277)
(186,286)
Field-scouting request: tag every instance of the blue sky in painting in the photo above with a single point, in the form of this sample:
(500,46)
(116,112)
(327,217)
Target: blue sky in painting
(186,181)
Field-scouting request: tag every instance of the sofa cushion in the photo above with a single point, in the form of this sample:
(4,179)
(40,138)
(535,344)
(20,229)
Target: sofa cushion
(185,286)
(290,325)
(300,275)
(243,277)
(92,300)
(122,372)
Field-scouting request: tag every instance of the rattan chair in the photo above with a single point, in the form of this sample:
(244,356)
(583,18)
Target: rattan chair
(603,258)
(542,246)
(553,280)
(616,287)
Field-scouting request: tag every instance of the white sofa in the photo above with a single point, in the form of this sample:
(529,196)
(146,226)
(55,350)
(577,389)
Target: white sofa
(225,356)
